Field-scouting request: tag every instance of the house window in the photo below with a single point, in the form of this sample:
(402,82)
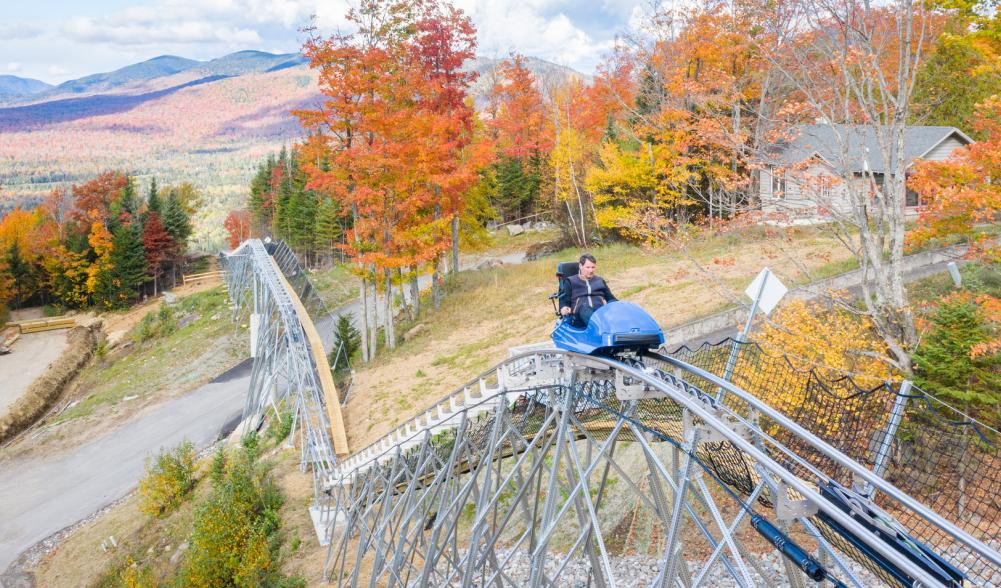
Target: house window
(825,188)
(912,198)
(778,184)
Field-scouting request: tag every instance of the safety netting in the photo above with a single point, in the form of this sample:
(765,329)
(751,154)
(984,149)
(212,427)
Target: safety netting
(932,451)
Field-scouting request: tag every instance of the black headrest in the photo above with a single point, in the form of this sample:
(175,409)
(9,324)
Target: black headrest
(567,268)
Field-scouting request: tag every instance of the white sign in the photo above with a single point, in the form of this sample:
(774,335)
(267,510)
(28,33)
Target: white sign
(770,294)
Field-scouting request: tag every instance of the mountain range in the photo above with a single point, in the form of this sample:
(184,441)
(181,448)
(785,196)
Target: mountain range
(176,119)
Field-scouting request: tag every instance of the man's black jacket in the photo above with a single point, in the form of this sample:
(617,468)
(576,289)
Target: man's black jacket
(577,291)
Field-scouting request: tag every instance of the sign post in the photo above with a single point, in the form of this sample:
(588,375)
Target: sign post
(765,292)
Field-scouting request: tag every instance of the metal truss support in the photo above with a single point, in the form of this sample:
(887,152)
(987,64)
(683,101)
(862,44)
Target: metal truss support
(284,371)
(511,486)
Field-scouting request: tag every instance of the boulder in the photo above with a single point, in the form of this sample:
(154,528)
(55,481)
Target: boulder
(540,250)
(489,263)
(515,229)
(417,330)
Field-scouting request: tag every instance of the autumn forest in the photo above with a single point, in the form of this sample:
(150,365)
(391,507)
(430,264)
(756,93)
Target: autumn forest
(398,166)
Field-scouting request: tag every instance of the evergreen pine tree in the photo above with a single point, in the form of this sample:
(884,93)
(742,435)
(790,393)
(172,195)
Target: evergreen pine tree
(328,227)
(175,220)
(126,206)
(347,341)
(128,260)
(944,363)
(260,202)
(153,202)
(19,269)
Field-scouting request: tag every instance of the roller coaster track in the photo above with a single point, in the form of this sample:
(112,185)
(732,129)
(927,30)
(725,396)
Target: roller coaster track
(558,469)
(290,364)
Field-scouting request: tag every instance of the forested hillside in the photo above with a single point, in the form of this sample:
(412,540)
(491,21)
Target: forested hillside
(209,124)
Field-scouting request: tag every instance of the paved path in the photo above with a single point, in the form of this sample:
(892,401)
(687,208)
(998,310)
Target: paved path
(29,357)
(41,496)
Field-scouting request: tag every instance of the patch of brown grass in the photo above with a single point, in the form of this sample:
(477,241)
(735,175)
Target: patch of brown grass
(486,312)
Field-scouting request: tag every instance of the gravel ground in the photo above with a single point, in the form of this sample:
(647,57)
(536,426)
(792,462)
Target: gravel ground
(633,571)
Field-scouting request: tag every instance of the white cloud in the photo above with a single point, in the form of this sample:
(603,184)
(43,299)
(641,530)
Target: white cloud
(13,67)
(86,29)
(568,32)
(19,30)
(527,29)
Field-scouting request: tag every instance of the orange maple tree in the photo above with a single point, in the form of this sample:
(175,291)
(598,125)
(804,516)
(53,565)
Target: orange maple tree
(962,194)
(393,140)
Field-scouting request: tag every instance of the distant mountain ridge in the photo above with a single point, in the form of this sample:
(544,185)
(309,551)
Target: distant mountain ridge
(17,87)
(137,75)
(178,120)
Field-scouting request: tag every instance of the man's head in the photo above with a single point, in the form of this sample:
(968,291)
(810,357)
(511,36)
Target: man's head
(587,264)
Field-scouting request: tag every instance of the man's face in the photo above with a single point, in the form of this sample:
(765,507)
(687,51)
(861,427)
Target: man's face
(587,269)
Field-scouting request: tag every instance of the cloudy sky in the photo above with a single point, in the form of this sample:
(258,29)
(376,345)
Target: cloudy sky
(59,40)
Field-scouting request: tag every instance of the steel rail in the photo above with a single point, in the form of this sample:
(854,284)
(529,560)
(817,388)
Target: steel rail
(864,473)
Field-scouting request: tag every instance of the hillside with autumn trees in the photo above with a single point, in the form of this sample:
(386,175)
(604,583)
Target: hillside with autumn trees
(97,244)
(208,125)
(400,165)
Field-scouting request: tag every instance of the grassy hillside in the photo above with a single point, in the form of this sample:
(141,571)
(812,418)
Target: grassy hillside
(486,312)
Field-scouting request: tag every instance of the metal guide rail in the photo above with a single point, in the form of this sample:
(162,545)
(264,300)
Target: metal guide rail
(554,469)
(284,371)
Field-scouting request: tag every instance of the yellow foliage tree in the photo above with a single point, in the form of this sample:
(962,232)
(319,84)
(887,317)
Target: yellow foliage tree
(636,185)
(833,341)
(100,240)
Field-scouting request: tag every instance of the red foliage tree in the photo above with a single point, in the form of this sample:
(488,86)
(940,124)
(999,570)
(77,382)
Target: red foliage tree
(518,116)
(93,199)
(158,244)
(238,224)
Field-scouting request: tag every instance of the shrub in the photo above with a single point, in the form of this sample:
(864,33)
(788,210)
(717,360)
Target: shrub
(167,322)
(280,425)
(146,329)
(832,340)
(168,479)
(236,538)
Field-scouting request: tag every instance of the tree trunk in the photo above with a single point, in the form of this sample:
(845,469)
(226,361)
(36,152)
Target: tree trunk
(408,307)
(455,245)
(435,287)
(363,315)
(415,292)
(373,334)
(388,324)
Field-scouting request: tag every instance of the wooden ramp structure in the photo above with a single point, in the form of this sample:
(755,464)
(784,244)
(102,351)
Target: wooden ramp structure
(45,324)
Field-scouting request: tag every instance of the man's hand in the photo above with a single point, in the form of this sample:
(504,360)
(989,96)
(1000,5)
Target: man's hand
(565,310)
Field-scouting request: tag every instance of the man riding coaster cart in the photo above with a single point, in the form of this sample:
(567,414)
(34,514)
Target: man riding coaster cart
(591,320)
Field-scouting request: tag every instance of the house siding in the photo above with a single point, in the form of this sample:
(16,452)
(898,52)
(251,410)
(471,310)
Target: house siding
(803,205)
(944,149)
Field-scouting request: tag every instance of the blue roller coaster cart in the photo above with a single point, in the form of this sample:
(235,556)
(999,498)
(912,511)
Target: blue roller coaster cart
(616,326)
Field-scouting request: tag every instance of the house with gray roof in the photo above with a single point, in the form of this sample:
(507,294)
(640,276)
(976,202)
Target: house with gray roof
(803,178)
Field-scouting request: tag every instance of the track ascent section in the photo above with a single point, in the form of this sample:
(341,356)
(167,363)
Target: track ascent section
(560,469)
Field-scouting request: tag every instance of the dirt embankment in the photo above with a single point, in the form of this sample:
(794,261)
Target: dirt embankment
(44,391)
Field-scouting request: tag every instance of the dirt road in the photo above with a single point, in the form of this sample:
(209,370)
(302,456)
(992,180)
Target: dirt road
(31,354)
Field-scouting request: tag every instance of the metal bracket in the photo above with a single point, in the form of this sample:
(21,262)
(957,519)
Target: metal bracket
(787,510)
(708,434)
(628,389)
